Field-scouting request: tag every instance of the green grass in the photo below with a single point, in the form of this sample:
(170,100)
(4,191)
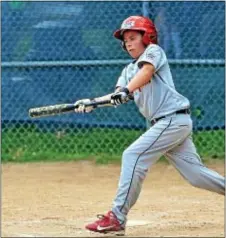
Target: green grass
(30,144)
(210,144)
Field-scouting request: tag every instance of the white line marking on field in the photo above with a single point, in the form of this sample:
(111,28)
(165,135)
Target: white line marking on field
(26,235)
(21,222)
(137,222)
(49,221)
(71,222)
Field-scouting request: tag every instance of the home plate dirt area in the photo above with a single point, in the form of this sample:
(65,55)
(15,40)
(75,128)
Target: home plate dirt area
(58,199)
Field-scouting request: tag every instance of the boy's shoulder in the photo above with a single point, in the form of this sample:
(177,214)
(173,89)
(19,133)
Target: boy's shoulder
(154,47)
(151,48)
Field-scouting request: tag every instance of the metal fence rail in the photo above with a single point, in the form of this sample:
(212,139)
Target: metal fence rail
(218,62)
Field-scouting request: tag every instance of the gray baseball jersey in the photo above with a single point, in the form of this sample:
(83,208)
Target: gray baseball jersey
(159,97)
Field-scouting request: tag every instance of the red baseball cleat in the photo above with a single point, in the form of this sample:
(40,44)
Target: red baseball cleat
(107,224)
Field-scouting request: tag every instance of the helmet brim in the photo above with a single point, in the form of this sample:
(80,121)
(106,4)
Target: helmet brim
(119,33)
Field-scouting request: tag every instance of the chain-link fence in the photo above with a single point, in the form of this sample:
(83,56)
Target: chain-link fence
(59,52)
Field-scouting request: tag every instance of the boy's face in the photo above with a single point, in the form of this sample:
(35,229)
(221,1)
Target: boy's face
(133,43)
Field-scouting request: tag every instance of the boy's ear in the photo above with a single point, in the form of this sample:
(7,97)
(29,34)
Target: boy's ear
(123,46)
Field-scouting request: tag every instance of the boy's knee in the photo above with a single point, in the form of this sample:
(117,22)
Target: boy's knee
(131,157)
(128,154)
(194,182)
(195,179)
(128,160)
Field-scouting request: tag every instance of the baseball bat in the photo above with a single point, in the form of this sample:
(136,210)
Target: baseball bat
(52,110)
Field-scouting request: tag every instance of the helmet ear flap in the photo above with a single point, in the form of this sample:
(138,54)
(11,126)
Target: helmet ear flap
(149,38)
(146,39)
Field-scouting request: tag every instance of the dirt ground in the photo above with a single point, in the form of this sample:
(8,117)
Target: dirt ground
(58,199)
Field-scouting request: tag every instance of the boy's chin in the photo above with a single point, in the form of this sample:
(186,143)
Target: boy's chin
(134,56)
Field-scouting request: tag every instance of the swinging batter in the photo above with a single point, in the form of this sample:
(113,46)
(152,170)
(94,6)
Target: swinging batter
(149,80)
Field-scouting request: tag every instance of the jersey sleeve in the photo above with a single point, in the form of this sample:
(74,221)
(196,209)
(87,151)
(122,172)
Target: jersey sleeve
(153,55)
(122,82)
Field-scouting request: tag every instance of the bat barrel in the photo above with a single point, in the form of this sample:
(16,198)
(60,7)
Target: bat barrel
(51,110)
(57,109)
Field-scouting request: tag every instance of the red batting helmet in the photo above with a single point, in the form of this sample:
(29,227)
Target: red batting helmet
(139,23)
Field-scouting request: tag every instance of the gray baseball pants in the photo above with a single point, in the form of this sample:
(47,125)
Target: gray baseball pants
(171,137)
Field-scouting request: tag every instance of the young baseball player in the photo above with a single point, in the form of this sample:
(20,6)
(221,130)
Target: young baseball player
(148,79)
